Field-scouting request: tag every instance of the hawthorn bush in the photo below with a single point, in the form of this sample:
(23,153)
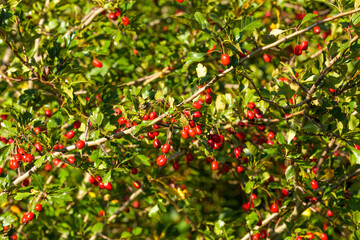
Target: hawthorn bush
(179,119)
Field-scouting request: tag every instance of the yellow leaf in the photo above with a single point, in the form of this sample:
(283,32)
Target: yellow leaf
(329,173)
(91,194)
(114,201)
(4,204)
(15,209)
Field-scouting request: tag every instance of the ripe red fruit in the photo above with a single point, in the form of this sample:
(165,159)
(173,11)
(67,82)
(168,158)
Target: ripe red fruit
(1,170)
(197,105)
(274,208)
(313,200)
(21,151)
(91,179)
(271,135)
(357,147)
(317,30)
(239,169)
(250,115)
(121,120)
(38,147)
(214,165)
(310,236)
(198,130)
(117,12)
(184,134)
(192,132)
(304,45)
(97,63)
(323,236)
(152,115)
(161,160)
(225,60)
(285,192)
(108,186)
(256,236)
(208,99)
(37,130)
(80,144)
(299,238)
(76,124)
(47,167)
(101,185)
(330,213)
(71,160)
(180,1)
(267,58)
(165,148)
(297,50)
(13,164)
(48,113)
(263,233)
(197,114)
(187,128)
(251,105)
(136,184)
(56,161)
(14,237)
(29,216)
(157,143)
(125,21)
(101,213)
(314,169)
(70,134)
(112,16)
(98,178)
(314,184)
(150,135)
(134,171)
(191,124)
(176,165)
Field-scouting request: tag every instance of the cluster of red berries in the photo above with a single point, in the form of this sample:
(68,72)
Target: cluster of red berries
(302,47)
(27,217)
(22,155)
(97,181)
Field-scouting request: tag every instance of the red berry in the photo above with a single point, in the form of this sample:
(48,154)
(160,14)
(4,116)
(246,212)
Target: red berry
(180,1)
(323,236)
(37,130)
(161,160)
(192,132)
(313,200)
(56,161)
(271,135)
(38,147)
(80,144)
(134,171)
(310,236)
(97,63)
(136,184)
(176,165)
(101,185)
(13,164)
(191,124)
(108,186)
(284,192)
(198,130)
(112,16)
(122,120)
(208,99)
(150,135)
(14,237)
(357,147)
(117,12)
(101,213)
(157,143)
(70,134)
(152,115)
(299,238)
(263,233)
(48,113)
(251,105)
(165,148)
(225,60)
(214,165)
(274,208)
(92,179)
(76,124)
(197,114)
(330,213)
(304,45)
(314,184)
(184,134)
(29,216)
(250,115)
(71,160)
(125,21)
(267,58)
(239,169)
(297,50)
(317,30)
(314,169)
(47,167)
(21,151)
(197,105)
(256,236)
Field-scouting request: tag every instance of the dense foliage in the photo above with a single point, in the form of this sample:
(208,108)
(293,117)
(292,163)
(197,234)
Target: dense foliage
(179,119)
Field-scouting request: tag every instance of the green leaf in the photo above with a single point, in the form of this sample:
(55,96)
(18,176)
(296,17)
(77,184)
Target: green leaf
(190,22)
(353,122)
(308,17)
(126,234)
(4,152)
(249,185)
(216,19)
(19,196)
(356,18)
(191,58)
(3,197)
(289,173)
(218,225)
(154,210)
(137,231)
(355,156)
(290,135)
(107,177)
(97,227)
(38,163)
(251,26)
(252,219)
(144,159)
(38,181)
(200,18)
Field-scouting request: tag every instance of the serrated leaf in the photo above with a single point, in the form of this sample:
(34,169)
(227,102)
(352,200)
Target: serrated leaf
(200,18)
(144,159)
(21,195)
(308,17)
(356,18)
(38,181)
